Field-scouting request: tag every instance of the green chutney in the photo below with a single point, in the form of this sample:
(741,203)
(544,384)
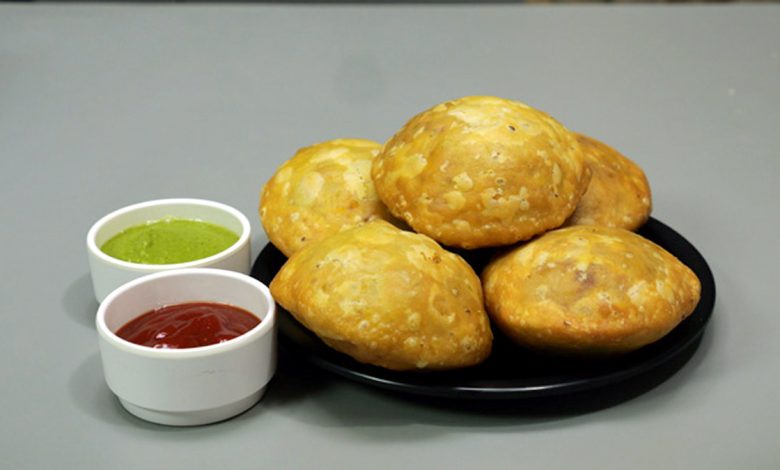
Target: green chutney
(169,241)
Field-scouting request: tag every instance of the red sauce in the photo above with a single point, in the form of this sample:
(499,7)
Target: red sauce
(188,325)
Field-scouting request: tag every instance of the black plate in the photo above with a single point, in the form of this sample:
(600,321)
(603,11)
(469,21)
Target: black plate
(510,372)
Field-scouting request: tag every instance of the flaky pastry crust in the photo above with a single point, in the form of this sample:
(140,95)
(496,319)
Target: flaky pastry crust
(481,171)
(618,194)
(323,189)
(588,290)
(388,297)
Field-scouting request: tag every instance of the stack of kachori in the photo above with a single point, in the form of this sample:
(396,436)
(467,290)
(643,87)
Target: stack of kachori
(568,275)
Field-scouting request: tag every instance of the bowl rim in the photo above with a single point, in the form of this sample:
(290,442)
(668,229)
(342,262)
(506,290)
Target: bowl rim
(243,237)
(266,325)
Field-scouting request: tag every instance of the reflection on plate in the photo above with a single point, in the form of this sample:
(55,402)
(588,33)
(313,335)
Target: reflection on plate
(510,372)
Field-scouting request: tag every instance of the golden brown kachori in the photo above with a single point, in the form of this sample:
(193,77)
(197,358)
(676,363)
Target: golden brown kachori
(481,171)
(588,290)
(321,190)
(618,194)
(387,297)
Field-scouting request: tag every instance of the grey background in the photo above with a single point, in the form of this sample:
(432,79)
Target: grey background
(103,106)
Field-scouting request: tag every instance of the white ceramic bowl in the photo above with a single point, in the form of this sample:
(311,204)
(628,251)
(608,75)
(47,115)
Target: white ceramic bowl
(108,272)
(184,387)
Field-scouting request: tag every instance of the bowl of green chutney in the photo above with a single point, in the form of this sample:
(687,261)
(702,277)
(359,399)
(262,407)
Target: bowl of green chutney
(166,234)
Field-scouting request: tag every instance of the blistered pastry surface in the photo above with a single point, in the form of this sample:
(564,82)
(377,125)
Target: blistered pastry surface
(388,297)
(618,194)
(481,171)
(589,289)
(323,189)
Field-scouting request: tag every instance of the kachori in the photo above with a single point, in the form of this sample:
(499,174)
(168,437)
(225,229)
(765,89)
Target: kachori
(321,190)
(481,171)
(387,297)
(618,194)
(588,290)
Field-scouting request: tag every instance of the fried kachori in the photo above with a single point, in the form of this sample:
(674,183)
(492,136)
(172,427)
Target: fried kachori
(481,171)
(323,189)
(588,290)
(387,297)
(618,194)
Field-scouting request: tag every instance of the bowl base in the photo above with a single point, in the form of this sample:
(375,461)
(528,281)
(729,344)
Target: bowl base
(194,418)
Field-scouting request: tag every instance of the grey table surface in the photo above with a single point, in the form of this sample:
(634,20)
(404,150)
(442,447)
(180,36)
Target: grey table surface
(102,106)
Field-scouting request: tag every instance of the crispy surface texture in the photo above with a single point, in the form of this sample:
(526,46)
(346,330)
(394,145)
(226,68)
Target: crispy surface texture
(618,194)
(323,189)
(588,290)
(481,171)
(388,297)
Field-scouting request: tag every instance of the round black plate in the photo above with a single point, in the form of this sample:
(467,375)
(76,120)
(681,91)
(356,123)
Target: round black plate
(510,372)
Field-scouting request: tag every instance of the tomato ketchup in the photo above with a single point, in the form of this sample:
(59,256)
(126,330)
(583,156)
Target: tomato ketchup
(188,325)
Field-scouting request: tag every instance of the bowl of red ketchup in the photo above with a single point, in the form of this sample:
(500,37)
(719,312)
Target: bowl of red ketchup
(188,346)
